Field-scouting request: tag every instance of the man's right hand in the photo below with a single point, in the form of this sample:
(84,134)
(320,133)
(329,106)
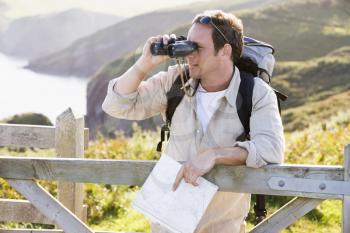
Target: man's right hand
(131,79)
(147,61)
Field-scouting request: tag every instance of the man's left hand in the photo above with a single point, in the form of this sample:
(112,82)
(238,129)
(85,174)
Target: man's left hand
(196,167)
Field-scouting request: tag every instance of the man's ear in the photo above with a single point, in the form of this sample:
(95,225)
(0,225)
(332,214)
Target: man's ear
(227,50)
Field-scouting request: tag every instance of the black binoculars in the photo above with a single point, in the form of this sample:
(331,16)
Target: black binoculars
(179,47)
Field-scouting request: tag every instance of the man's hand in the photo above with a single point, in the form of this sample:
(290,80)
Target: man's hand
(147,61)
(131,79)
(194,168)
(206,160)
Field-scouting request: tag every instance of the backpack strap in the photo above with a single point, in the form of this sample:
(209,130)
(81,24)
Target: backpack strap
(244,103)
(174,97)
(259,208)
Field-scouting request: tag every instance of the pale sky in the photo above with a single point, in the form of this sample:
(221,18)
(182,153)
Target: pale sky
(126,8)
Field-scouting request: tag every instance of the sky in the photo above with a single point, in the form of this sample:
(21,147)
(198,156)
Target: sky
(19,8)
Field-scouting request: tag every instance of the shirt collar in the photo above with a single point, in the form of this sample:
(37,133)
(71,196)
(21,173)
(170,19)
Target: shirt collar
(232,90)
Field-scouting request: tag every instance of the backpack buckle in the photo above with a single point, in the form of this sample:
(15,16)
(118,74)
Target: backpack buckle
(164,135)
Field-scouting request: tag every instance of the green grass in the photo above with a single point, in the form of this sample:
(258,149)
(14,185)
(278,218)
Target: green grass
(326,218)
(314,79)
(302,117)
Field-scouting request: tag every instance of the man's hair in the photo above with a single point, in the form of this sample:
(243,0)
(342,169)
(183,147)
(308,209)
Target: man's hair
(230,26)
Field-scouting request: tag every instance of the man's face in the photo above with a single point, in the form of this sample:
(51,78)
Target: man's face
(203,61)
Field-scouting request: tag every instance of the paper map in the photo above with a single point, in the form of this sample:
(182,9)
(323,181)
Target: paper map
(179,211)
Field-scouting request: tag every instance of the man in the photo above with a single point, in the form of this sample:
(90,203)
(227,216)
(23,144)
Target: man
(205,127)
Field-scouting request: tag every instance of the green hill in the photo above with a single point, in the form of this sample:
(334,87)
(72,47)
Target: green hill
(298,30)
(317,88)
(302,30)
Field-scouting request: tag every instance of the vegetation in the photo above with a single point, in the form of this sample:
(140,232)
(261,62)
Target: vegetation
(28,119)
(110,205)
(317,88)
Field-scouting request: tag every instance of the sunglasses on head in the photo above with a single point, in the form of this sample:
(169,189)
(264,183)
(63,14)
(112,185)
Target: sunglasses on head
(207,20)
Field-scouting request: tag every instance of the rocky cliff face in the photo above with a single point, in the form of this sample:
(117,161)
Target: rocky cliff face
(99,121)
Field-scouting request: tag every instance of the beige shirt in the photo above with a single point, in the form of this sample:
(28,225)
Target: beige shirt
(227,211)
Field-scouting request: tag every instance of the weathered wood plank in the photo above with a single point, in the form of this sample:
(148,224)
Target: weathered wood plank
(31,136)
(86,138)
(286,215)
(49,206)
(69,140)
(21,211)
(27,136)
(228,178)
(310,185)
(346,200)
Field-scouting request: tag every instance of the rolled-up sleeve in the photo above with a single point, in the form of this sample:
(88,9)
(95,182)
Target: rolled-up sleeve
(266,131)
(148,100)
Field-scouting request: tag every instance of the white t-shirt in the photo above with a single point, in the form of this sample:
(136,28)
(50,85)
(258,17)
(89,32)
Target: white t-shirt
(207,103)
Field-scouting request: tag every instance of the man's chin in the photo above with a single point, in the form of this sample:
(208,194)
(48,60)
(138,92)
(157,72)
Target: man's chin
(194,74)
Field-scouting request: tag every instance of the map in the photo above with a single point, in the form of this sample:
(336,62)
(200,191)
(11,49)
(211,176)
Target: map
(179,211)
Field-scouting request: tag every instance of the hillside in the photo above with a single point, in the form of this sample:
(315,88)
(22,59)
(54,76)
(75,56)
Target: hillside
(86,56)
(298,30)
(37,36)
(317,88)
(309,83)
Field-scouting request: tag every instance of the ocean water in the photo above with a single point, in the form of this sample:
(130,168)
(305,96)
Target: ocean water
(22,90)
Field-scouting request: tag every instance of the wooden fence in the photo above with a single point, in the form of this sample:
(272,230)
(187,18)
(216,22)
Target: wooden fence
(69,138)
(309,184)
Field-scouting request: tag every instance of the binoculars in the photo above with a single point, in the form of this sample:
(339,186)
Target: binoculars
(176,47)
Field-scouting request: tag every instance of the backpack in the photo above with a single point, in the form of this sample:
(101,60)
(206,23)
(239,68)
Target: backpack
(257,60)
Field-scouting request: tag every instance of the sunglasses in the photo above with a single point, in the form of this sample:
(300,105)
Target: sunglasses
(207,20)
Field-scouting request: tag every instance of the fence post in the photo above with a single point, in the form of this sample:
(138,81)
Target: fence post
(346,200)
(69,142)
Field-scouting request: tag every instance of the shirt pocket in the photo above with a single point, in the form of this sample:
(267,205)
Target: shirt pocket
(224,128)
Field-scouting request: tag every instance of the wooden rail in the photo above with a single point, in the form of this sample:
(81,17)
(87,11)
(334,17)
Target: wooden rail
(228,178)
(31,136)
